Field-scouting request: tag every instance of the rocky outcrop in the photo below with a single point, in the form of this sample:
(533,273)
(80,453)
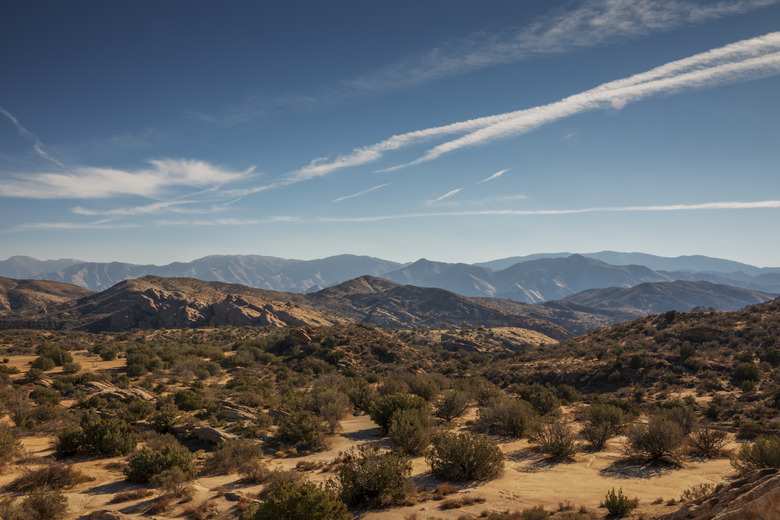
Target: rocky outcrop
(753,497)
(111,392)
(235,412)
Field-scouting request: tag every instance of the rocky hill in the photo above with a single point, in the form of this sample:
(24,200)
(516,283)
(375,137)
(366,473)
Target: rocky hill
(34,297)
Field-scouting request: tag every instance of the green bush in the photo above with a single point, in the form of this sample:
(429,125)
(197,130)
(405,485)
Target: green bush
(148,462)
(188,400)
(383,409)
(465,456)
(43,363)
(107,437)
(411,431)
(747,372)
(231,456)
(43,395)
(10,445)
(602,422)
(301,429)
(658,438)
(45,504)
(300,502)
(555,439)
(617,503)
(506,417)
(763,453)
(369,477)
(452,404)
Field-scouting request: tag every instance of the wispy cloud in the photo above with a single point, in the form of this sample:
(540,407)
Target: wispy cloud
(445,196)
(37,144)
(173,206)
(358,194)
(88,182)
(587,24)
(494,176)
(59,225)
(741,61)
(570,135)
(705,206)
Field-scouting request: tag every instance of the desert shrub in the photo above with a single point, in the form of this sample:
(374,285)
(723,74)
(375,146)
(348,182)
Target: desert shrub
(329,403)
(465,456)
(602,422)
(148,462)
(427,386)
(254,470)
(678,411)
(764,452)
(10,445)
(542,399)
(300,429)
(556,439)
(71,367)
(43,396)
(164,419)
(617,503)
(411,431)
(45,504)
(108,437)
(383,409)
(658,438)
(301,502)
(708,442)
(371,478)
(746,372)
(697,492)
(505,416)
(534,513)
(188,400)
(452,404)
(43,363)
(54,475)
(275,479)
(59,355)
(362,395)
(172,481)
(231,456)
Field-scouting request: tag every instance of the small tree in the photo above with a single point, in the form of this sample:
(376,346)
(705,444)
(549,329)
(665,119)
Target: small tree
(147,462)
(465,456)
(505,416)
(302,430)
(658,438)
(372,478)
(301,502)
(411,431)
(763,453)
(383,409)
(452,404)
(555,439)
(708,442)
(602,422)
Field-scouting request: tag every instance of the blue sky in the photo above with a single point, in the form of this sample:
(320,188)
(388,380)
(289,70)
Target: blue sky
(153,131)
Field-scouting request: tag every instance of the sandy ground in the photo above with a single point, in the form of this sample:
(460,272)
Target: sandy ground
(528,478)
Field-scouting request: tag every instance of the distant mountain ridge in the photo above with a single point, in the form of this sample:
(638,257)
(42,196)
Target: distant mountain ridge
(158,302)
(531,279)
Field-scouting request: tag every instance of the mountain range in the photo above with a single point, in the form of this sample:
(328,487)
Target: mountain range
(158,302)
(530,279)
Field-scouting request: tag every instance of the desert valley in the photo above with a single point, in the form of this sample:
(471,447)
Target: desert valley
(163,397)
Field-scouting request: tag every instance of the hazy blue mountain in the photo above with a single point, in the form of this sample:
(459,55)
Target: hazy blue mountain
(694,263)
(531,282)
(28,267)
(262,272)
(654,298)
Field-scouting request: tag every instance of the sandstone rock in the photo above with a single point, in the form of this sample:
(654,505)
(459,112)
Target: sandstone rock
(110,391)
(753,497)
(236,412)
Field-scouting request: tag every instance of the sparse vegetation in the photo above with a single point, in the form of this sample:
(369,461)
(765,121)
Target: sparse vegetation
(370,477)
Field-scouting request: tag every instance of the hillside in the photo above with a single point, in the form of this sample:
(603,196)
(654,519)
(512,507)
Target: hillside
(34,297)
(653,298)
(156,302)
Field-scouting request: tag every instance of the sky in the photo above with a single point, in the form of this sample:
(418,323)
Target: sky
(459,131)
